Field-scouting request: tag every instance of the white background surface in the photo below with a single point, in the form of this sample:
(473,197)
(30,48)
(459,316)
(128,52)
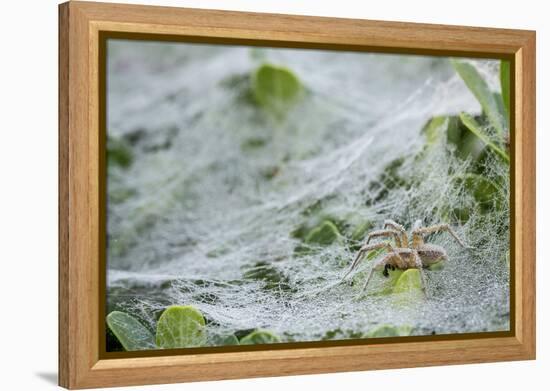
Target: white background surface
(28,194)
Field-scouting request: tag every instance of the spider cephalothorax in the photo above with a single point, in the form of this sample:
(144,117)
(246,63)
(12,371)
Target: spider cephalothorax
(404,255)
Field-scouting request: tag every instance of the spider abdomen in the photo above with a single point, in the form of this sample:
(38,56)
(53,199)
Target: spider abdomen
(431,253)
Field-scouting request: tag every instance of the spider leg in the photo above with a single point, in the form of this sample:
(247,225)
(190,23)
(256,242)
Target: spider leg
(367,281)
(400,229)
(382,262)
(385,233)
(420,232)
(365,249)
(419,266)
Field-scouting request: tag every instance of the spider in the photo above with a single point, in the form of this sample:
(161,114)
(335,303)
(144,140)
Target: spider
(403,256)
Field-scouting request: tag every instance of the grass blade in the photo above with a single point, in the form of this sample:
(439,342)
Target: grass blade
(476,129)
(505,84)
(483,94)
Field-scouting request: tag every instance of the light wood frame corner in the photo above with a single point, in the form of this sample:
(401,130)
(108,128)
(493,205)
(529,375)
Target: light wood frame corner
(80,26)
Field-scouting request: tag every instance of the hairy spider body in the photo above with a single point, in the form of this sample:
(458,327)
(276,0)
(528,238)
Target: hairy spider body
(431,254)
(405,254)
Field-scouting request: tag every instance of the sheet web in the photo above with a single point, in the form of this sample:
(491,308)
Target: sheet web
(219,190)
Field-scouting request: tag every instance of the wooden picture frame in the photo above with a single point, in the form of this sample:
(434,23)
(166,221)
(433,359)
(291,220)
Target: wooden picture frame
(81,25)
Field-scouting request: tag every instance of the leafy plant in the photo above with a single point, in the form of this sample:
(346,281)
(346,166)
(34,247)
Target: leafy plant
(505,85)
(477,130)
(496,107)
(477,139)
(131,334)
(177,327)
(433,128)
(259,337)
(318,230)
(180,327)
(275,88)
(324,234)
(224,340)
(408,288)
(489,102)
(409,282)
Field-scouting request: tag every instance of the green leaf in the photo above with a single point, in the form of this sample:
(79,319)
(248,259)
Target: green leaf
(404,330)
(223,340)
(473,126)
(275,88)
(131,334)
(483,94)
(409,282)
(435,129)
(408,289)
(324,235)
(259,337)
(383,331)
(505,84)
(181,327)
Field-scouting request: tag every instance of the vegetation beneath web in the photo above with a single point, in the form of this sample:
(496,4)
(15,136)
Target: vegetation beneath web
(233,219)
(177,327)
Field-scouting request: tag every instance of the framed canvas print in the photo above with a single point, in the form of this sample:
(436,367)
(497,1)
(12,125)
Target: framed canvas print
(248,195)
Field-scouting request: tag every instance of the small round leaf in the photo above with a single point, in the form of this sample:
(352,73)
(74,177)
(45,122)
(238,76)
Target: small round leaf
(131,334)
(324,234)
(181,327)
(275,88)
(259,337)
